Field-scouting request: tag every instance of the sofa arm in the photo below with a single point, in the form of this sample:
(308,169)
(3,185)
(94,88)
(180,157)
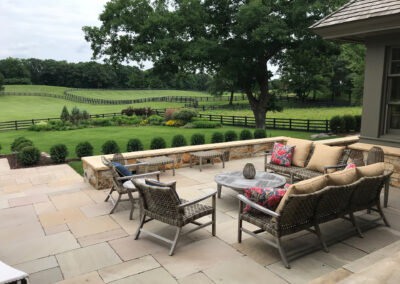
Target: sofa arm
(337,167)
(254,205)
(140,176)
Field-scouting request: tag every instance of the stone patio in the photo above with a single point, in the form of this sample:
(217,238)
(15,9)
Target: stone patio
(56,227)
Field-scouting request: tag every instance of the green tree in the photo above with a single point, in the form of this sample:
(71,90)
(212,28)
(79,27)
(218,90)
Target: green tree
(1,81)
(65,114)
(230,37)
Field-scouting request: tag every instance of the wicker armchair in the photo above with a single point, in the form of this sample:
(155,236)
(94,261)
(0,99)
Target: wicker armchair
(162,204)
(122,185)
(307,211)
(299,173)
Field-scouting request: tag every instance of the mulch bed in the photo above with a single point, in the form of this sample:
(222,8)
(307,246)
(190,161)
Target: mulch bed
(43,161)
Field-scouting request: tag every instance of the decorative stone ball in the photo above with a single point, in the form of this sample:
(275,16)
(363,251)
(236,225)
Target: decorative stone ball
(249,171)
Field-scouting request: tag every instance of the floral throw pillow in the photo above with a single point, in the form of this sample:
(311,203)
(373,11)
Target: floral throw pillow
(282,155)
(265,197)
(350,166)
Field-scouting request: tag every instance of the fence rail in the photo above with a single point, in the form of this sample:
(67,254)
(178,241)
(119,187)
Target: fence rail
(307,125)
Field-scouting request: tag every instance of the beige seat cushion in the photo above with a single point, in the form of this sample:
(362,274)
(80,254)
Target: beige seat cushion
(324,156)
(371,170)
(301,151)
(304,187)
(343,177)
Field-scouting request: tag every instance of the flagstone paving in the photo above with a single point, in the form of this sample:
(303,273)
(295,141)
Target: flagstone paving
(58,229)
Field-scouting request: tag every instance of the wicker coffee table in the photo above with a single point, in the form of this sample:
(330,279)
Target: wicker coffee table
(158,161)
(207,155)
(236,181)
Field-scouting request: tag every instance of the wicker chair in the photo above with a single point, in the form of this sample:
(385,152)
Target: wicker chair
(299,173)
(122,185)
(307,211)
(162,204)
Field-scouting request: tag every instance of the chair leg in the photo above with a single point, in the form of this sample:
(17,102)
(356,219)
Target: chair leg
(355,224)
(386,194)
(142,219)
(109,194)
(378,205)
(282,253)
(132,204)
(240,223)
(214,217)
(116,203)
(319,234)
(178,233)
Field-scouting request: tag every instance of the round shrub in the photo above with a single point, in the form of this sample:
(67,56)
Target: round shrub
(349,123)
(357,119)
(29,156)
(134,145)
(22,145)
(259,133)
(217,137)
(186,115)
(18,141)
(230,135)
(197,139)
(158,143)
(169,112)
(110,147)
(59,153)
(178,141)
(245,134)
(84,149)
(336,124)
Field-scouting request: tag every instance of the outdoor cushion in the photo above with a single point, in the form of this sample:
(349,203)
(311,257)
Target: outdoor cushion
(171,185)
(343,177)
(371,170)
(266,197)
(122,170)
(351,166)
(324,156)
(282,155)
(301,151)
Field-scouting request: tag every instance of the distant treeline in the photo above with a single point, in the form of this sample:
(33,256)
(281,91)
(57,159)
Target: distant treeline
(94,75)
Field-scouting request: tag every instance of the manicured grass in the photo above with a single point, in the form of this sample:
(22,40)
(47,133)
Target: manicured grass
(97,136)
(77,166)
(35,89)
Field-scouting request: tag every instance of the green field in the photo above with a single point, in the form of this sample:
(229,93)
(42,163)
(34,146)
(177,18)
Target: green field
(121,134)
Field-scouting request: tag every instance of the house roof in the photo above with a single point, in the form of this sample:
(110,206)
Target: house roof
(357,10)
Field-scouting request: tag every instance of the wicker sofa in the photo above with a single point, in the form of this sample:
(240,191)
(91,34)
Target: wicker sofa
(307,211)
(301,173)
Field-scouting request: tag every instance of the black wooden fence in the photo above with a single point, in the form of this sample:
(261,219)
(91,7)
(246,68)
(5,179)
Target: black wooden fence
(308,125)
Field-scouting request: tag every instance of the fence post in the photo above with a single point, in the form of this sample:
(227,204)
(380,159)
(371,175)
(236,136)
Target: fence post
(290,124)
(245,121)
(308,125)
(327,126)
(222,120)
(274,123)
(233,120)
(33,122)
(210,116)
(16,125)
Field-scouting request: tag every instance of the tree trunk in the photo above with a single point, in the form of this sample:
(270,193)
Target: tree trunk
(231,99)
(260,115)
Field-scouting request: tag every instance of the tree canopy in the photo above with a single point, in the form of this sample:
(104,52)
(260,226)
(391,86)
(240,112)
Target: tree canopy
(230,37)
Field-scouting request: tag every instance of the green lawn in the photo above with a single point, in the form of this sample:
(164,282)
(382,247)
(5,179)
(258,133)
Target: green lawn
(97,136)
(35,89)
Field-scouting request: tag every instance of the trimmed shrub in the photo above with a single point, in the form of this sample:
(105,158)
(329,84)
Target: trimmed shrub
(230,135)
(126,120)
(102,122)
(29,156)
(336,124)
(205,124)
(23,145)
(259,133)
(245,134)
(145,111)
(84,149)
(197,139)
(158,143)
(85,114)
(169,112)
(75,115)
(217,137)
(155,120)
(59,153)
(64,114)
(186,115)
(178,141)
(174,123)
(134,145)
(128,111)
(357,119)
(110,147)
(17,141)
(349,123)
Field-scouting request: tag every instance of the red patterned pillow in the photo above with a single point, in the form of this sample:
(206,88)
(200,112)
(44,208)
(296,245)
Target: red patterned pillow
(266,197)
(282,155)
(350,166)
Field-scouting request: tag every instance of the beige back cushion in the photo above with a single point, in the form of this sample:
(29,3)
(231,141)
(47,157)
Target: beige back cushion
(324,156)
(371,170)
(301,151)
(343,177)
(304,187)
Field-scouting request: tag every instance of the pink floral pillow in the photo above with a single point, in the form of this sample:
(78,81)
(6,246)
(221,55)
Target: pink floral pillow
(265,197)
(350,166)
(282,155)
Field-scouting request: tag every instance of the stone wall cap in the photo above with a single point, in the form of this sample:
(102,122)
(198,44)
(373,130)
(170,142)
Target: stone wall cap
(392,151)
(339,141)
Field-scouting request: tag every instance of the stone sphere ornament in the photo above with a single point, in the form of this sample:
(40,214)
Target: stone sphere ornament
(249,171)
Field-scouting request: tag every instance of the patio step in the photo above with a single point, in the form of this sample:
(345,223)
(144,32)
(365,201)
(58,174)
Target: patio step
(4,164)
(381,266)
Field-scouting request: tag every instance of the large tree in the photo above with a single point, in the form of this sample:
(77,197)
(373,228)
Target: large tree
(232,37)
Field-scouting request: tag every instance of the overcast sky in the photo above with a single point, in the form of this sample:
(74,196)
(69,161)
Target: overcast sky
(47,29)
